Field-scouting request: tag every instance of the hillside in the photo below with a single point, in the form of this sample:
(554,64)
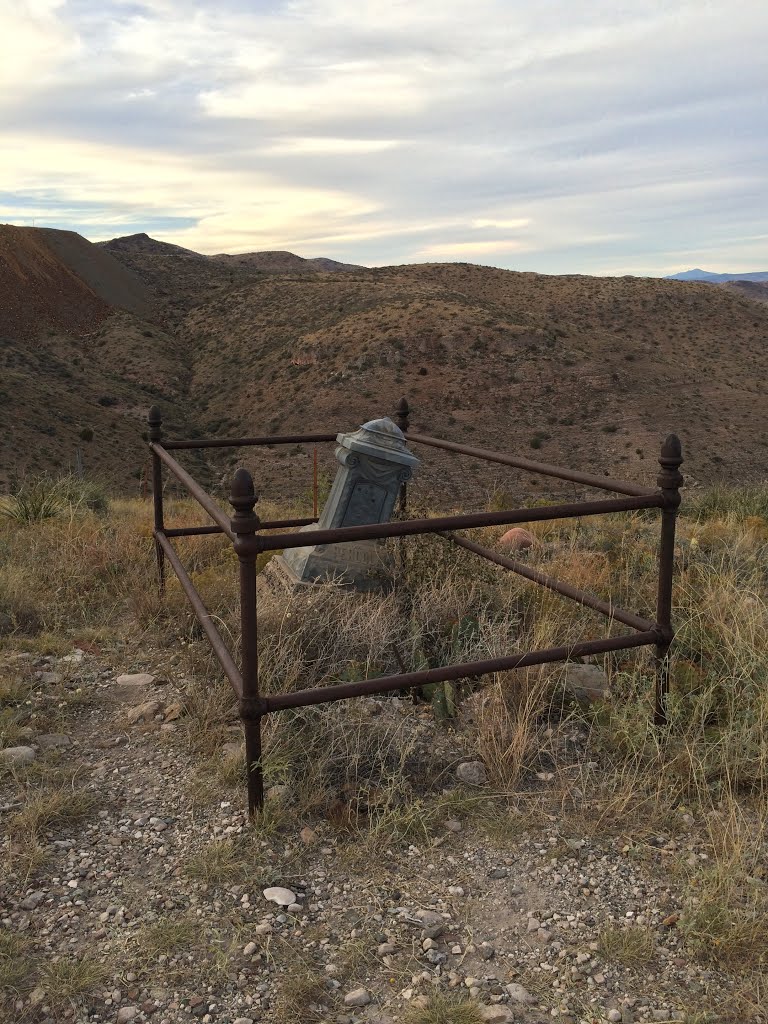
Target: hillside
(81,359)
(755,290)
(58,281)
(576,370)
(284,262)
(590,372)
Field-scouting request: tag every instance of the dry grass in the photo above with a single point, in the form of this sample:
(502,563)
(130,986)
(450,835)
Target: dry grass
(445,1009)
(631,946)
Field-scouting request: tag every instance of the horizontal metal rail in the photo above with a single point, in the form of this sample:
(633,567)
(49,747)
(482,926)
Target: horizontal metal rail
(201,531)
(605,483)
(201,497)
(192,531)
(246,442)
(411,527)
(564,589)
(231,671)
(408,680)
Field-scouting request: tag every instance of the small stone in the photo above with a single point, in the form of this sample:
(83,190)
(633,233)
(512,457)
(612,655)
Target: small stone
(357,997)
(472,773)
(173,711)
(533,925)
(614,1016)
(385,948)
(135,679)
(498,872)
(308,836)
(243,1020)
(428,944)
(453,825)
(499,1014)
(519,994)
(31,902)
(125,1014)
(250,949)
(141,712)
(587,683)
(53,741)
(37,996)
(263,929)
(18,755)
(282,897)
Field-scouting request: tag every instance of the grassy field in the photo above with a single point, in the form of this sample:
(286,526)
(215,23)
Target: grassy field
(84,578)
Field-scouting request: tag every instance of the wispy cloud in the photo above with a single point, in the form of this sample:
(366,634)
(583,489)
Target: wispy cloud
(550,136)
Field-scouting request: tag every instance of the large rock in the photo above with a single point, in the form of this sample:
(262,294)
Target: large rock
(517,539)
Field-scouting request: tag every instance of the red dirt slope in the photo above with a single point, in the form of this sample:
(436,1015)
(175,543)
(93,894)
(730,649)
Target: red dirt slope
(58,281)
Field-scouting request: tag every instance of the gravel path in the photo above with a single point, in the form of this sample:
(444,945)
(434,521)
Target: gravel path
(162,896)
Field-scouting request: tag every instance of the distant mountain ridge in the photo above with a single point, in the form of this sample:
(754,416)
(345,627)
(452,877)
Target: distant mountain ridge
(707,275)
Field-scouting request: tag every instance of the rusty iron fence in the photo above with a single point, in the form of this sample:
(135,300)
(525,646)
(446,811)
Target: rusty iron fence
(249,537)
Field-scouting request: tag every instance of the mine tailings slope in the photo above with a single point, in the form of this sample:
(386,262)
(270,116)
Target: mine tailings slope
(58,280)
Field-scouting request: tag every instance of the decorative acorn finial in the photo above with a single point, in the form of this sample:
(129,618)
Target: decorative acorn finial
(155,422)
(402,415)
(670,478)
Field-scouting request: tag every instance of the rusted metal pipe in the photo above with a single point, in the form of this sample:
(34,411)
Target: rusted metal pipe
(201,497)
(155,424)
(201,531)
(203,616)
(410,527)
(193,531)
(558,586)
(244,525)
(604,483)
(340,691)
(670,480)
(246,442)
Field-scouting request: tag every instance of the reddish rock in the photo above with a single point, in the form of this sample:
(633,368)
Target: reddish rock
(517,539)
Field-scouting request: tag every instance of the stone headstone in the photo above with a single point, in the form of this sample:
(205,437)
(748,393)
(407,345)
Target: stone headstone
(373,462)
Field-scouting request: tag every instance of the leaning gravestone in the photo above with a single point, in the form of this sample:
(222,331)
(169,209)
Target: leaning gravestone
(374,462)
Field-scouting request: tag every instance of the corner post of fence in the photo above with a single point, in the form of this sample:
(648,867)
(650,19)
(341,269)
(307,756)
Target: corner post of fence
(245,524)
(155,423)
(403,420)
(670,480)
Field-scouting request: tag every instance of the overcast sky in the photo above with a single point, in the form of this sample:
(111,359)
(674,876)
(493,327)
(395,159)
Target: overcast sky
(556,135)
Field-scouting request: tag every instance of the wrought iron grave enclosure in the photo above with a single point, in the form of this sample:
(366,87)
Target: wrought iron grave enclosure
(246,532)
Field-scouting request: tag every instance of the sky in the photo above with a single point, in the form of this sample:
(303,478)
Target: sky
(557,136)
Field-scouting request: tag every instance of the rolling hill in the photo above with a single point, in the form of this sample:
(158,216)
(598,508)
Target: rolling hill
(585,371)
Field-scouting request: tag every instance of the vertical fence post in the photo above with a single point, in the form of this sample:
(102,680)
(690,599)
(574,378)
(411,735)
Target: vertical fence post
(402,419)
(245,524)
(155,422)
(670,481)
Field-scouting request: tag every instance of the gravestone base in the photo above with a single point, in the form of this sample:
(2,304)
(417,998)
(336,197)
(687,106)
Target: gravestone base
(363,566)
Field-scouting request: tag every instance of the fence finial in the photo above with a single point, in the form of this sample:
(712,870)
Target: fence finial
(155,422)
(402,415)
(670,479)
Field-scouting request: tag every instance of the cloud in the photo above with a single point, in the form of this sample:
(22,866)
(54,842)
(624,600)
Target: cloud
(548,136)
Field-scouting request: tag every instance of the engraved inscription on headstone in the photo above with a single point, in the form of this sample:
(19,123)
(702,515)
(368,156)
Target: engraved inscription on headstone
(373,462)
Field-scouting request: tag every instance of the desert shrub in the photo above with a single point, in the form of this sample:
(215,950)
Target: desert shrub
(44,497)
